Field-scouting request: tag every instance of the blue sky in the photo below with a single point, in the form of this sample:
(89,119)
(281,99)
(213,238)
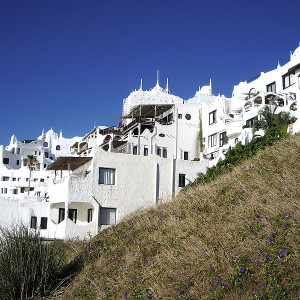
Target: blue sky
(69,64)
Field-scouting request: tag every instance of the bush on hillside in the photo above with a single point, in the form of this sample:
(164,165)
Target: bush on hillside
(29,266)
(234,156)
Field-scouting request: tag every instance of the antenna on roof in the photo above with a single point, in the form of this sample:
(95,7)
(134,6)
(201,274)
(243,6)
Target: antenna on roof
(210,82)
(141,85)
(157,78)
(167,87)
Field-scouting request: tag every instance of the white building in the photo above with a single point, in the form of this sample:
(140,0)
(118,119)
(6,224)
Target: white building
(157,149)
(24,198)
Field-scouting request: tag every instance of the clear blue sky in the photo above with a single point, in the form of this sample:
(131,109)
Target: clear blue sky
(69,64)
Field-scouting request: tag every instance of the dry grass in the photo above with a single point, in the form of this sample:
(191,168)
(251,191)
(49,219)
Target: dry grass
(223,240)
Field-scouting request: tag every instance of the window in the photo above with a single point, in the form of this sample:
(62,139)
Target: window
(14,179)
(179,116)
(27,179)
(271,87)
(6,160)
(18,162)
(212,140)
(46,154)
(57,147)
(5,178)
(223,138)
(61,214)
(134,150)
(188,116)
(42,180)
(213,117)
(44,222)
(72,215)
(35,179)
(13,150)
(288,80)
(250,122)
(45,166)
(15,191)
(22,190)
(33,222)
(45,144)
(38,194)
(146,151)
(18,150)
(107,176)
(107,216)
(90,215)
(185,155)
(165,152)
(236,140)
(158,151)
(3,190)
(181,180)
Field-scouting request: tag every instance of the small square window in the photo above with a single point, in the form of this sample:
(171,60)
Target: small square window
(107,176)
(185,155)
(33,222)
(181,180)
(165,152)
(44,222)
(61,215)
(213,117)
(135,150)
(107,216)
(90,215)
(146,151)
(6,160)
(158,151)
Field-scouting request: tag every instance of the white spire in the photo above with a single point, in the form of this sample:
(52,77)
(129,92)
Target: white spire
(278,65)
(167,87)
(291,55)
(60,134)
(141,85)
(157,78)
(210,82)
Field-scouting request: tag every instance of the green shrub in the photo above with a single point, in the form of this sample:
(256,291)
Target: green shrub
(29,266)
(233,157)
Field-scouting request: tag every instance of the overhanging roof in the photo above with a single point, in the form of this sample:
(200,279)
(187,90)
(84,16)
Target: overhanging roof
(148,111)
(68,163)
(293,69)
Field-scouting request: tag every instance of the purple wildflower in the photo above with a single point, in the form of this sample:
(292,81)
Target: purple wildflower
(279,255)
(147,296)
(215,281)
(205,250)
(272,234)
(126,296)
(179,290)
(211,269)
(269,240)
(242,270)
(188,282)
(287,215)
(286,252)
(235,256)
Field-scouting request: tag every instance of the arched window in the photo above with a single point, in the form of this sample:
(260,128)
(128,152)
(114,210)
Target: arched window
(57,147)
(45,144)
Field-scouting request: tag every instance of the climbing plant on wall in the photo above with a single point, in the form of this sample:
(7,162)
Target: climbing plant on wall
(201,144)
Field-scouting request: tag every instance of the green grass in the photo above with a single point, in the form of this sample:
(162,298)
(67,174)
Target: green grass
(236,237)
(28,266)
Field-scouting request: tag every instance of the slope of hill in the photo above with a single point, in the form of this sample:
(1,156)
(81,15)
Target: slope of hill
(234,238)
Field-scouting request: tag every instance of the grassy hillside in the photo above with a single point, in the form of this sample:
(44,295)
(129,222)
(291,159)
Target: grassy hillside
(234,238)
